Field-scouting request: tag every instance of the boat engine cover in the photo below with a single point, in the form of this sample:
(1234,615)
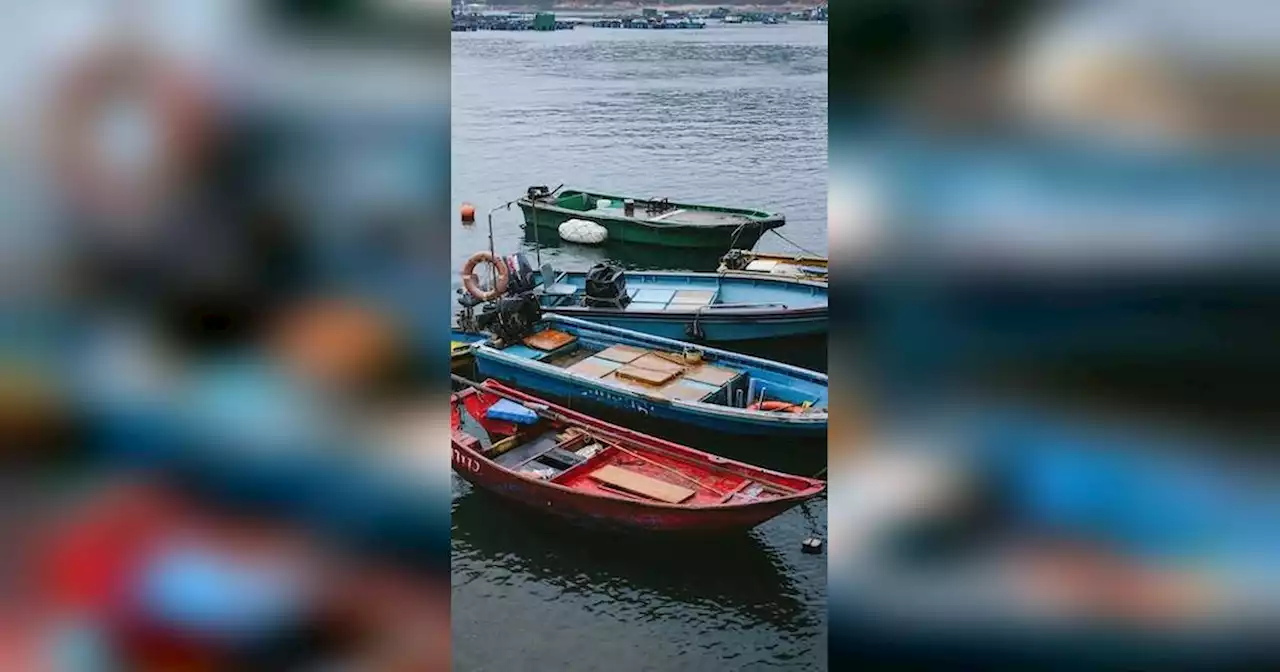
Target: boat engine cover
(606,286)
(735,260)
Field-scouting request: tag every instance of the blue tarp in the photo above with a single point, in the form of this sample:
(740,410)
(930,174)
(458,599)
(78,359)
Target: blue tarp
(511,412)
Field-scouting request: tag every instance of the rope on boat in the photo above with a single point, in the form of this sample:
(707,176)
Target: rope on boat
(794,244)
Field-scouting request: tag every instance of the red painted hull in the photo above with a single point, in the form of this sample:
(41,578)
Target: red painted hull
(594,509)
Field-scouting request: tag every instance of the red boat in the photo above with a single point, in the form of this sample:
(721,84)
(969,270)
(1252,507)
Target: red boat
(601,475)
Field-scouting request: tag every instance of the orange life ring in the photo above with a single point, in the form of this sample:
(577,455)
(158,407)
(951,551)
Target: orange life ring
(184,129)
(472,284)
(776,406)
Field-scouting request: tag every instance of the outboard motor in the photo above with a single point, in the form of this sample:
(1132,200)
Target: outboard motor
(606,287)
(539,192)
(511,318)
(520,278)
(735,260)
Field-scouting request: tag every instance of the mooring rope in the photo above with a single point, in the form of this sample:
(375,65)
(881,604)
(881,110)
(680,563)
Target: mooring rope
(795,244)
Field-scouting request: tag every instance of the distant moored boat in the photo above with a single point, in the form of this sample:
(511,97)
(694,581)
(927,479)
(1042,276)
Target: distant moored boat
(649,221)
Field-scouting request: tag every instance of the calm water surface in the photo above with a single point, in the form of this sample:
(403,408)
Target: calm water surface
(733,115)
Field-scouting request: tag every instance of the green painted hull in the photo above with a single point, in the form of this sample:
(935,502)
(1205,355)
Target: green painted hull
(742,228)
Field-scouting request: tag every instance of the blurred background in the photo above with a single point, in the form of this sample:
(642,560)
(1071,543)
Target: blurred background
(1056,232)
(219,377)
(1054,228)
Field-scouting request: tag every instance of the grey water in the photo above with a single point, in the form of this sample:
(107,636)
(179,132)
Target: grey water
(731,115)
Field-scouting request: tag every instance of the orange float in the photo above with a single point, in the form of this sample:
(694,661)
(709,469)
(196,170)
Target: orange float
(776,406)
(468,212)
(472,283)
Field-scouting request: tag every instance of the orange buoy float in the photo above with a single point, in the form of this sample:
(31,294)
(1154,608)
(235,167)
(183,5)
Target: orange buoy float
(776,406)
(471,282)
(468,212)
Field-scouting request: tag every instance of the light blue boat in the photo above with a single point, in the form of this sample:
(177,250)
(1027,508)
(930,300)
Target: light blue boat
(699,307)
(661,378)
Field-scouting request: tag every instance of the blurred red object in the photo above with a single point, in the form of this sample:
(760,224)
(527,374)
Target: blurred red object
(172,132)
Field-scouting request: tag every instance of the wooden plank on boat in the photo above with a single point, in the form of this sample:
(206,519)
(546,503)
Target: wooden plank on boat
(658,363)
(594,367)
(645,375)
(711,375)
(645,486)
(687,389)
(622,353)
(549,339)
(762,265)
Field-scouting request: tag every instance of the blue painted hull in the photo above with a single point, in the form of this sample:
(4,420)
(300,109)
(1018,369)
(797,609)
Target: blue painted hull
(713,331)
(746,307)
(550,386)
(550,381)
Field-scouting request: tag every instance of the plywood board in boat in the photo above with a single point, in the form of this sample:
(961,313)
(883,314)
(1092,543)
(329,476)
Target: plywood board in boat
(549,339)
(762,265)
(621,353)
(711,375)
(646,375)
(645,486)
(687,390)
(657,363)
(594,367)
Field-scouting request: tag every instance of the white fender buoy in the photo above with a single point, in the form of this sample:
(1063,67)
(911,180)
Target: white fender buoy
(583,232)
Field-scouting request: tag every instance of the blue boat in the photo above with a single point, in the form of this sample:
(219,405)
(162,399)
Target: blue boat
(700,307)
(660,378)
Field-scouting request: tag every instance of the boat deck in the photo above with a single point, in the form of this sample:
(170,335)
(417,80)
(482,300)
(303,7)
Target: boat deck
(788,268)
(678,216)
(657,373)
(575,457)
(655,476)
(648,371)
(658,292)
(677,298)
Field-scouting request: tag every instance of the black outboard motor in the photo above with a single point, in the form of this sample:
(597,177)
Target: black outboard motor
(535,193)
(511,318)
(735,260)
(606,287)
(520,278)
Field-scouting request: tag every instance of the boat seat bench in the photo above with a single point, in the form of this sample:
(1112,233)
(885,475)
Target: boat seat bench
(639,484)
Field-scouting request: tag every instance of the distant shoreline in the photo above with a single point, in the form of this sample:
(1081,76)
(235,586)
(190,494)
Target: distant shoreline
(637,6)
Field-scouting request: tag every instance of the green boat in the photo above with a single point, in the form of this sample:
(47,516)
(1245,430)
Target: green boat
(649,221)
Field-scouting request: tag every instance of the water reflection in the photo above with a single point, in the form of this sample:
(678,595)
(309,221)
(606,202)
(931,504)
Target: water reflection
(684,578)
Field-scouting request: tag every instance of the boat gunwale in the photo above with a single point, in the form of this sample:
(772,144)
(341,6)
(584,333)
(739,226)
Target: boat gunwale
(813,488)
